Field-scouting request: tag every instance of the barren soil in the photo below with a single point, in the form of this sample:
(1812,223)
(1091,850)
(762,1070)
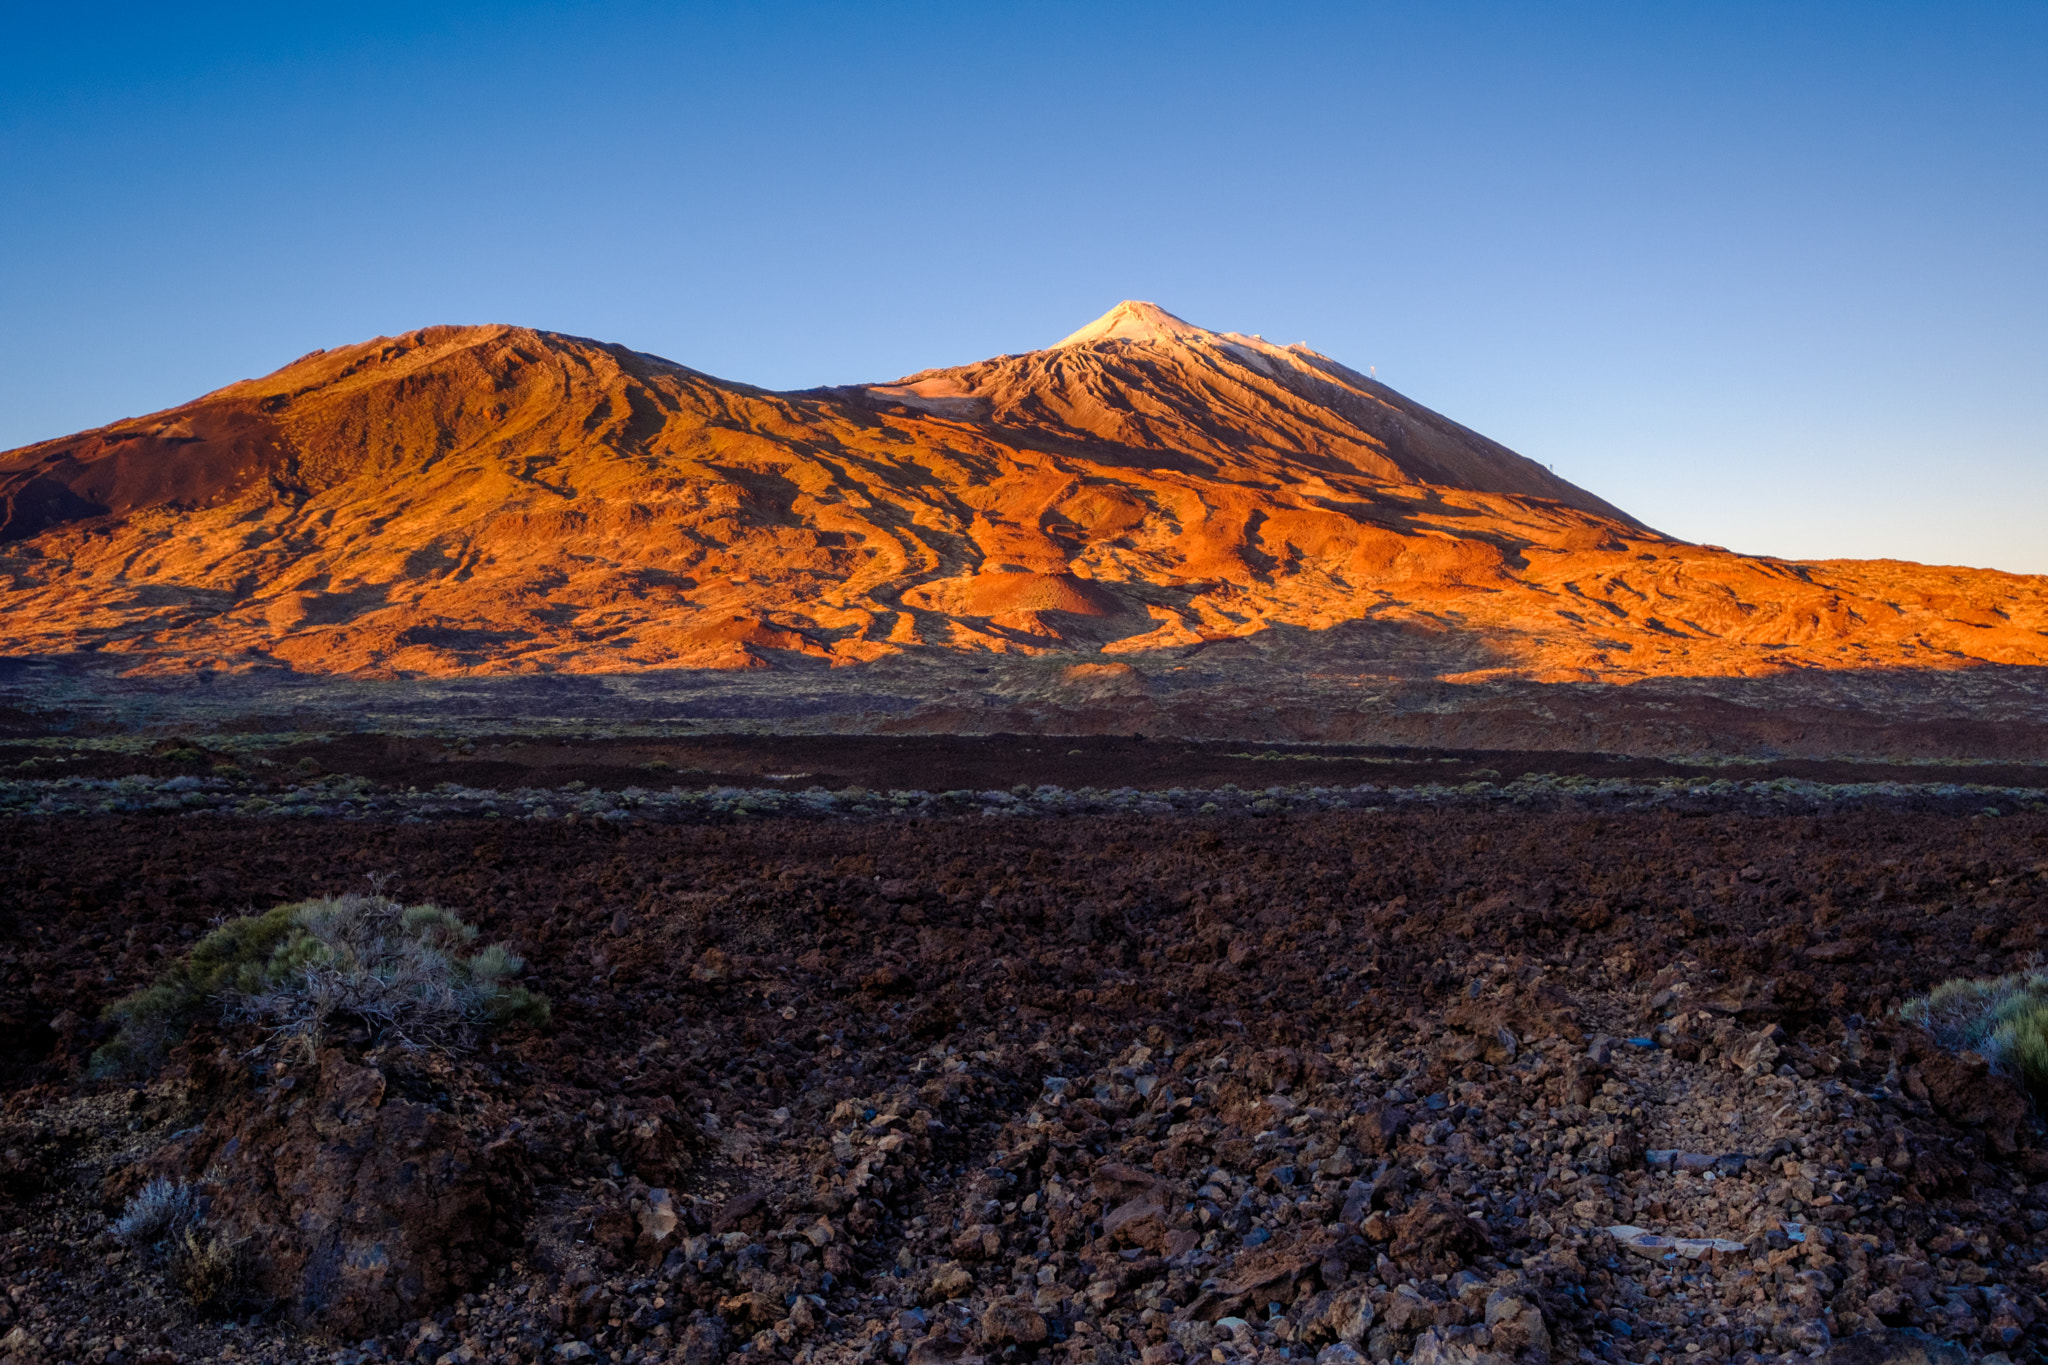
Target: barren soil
(1091,1089)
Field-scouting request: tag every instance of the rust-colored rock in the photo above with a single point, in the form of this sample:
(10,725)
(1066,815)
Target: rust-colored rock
(1140,1206)
(1963,1087)
(1012,1322)
(358,1208)
(1436,1237)
(496,501)
(1376,1130)
(1273,1271)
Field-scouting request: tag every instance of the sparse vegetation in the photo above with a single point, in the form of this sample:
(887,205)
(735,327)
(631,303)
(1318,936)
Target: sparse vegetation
(1314,1039)
(2003,1019)
(209,1268)
(161,1210)
(403,972)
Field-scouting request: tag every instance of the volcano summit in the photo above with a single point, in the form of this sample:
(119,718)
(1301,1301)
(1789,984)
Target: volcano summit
(1142,497)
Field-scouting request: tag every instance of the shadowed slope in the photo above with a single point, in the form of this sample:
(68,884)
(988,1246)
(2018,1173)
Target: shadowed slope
(495,499)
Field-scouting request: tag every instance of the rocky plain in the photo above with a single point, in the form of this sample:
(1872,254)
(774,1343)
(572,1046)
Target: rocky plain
(1610,1072)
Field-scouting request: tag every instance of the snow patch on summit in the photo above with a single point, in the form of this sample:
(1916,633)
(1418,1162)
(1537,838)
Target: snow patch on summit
(1133,320)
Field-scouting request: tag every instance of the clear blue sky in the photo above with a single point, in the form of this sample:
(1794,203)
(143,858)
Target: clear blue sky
(1770,275)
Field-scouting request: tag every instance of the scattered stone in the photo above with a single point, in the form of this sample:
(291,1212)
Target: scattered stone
(1642,1242)
(1113,1140)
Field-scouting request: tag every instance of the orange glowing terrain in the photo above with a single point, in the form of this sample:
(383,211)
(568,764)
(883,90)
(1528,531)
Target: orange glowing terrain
(496,500)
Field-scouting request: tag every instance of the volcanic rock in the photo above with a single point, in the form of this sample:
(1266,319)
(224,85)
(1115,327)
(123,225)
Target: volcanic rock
(355,1207)
(1437,1237)
(494,500)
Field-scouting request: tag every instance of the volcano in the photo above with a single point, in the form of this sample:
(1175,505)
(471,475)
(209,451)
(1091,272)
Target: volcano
(494,500)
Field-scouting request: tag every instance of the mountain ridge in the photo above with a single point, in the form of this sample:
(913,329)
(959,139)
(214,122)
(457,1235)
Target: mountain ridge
(1338,420)
(490,500)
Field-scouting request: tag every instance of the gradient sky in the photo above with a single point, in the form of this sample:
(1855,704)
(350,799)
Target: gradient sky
(1771,276)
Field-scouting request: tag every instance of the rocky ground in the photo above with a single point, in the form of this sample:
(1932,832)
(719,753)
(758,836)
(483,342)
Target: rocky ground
(718,779)
(1339,687)
(1437,1083)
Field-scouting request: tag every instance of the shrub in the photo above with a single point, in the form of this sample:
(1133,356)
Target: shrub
(210,1269)
(231,960)
(161,1210)
(404,972)
(2003,1019)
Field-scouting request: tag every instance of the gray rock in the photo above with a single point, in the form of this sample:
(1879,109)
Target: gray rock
(1699,1248)
(1641,1241)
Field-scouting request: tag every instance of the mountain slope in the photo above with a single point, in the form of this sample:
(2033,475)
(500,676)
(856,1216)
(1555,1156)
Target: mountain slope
(1139,381)
(488,500)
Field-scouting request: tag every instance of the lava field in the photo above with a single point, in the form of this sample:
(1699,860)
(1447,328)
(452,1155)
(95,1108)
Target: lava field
(1461,1084)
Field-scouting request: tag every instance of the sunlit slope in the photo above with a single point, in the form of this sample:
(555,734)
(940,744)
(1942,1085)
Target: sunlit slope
(495,499)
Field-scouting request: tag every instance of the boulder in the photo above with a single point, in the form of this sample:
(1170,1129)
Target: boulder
(1965,1089)
(1141,1209)
(1013,1322)
(1436,1236)
(355,1208)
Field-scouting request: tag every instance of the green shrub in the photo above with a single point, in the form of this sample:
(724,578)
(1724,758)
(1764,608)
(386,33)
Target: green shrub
(2003,1019)
(232,960)
(403,972)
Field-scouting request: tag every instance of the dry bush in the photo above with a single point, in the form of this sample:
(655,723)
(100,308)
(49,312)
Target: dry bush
(159,1212)
(403,972)
(2003,1019)
(210,1270)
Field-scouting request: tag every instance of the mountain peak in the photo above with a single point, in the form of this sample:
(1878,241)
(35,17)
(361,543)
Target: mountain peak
(1143,382)
(1146,489)
(1133,320)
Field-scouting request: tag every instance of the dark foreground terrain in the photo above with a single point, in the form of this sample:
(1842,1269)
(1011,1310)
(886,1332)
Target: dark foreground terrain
(1343,1085)
(503,762)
